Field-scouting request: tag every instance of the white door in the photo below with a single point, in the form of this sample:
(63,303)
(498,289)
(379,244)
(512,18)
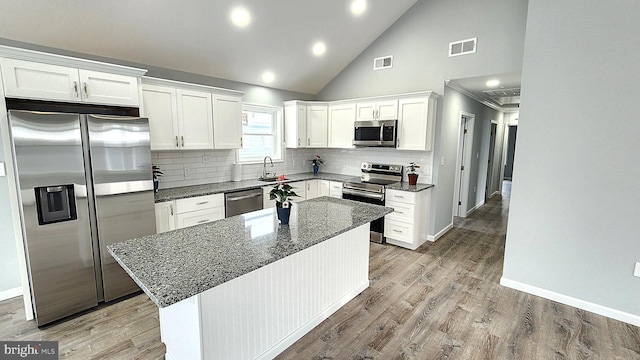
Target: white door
(324,188)
(366,111)
(31,80)
(160,106)
(340,127)
(165,217)
(317,126)
(301,125)
(464,163)
(387,110)
(312,189)
(412,124)
(103,88)
(195,120)
(227,122)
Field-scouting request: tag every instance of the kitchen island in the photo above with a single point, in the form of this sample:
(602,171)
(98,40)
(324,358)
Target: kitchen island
(246,287)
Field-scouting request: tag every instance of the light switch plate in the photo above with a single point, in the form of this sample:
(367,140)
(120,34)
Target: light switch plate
(2,170)
(636,272)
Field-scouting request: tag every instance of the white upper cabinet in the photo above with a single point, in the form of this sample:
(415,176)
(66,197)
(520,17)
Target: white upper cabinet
(305,125)
(160,105)
(377,110)
(317,126)
(195,120)
(227,122)
(34,80)
(416,123)
(340,130)
(187,117)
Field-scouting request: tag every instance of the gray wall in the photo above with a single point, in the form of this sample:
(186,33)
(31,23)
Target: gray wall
(253,93)
(419,42)
(9,269)
(573,225)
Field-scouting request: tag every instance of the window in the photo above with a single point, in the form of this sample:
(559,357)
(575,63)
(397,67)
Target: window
(261,133)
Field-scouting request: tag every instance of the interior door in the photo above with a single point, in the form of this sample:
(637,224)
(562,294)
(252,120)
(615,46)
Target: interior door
(492,145)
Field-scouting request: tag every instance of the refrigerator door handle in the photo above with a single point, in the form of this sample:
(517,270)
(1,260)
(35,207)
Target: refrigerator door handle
(124,187)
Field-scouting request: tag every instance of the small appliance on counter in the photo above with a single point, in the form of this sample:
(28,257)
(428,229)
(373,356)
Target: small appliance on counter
(236,172)
(370,188)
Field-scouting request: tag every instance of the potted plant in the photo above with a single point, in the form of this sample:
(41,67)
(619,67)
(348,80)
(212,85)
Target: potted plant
(411,173)
(317,161)
(155,170)
(281,194)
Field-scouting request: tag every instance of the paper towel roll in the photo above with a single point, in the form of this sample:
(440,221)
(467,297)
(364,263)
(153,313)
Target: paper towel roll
(236,172)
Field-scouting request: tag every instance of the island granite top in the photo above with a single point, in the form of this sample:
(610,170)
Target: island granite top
(230,186)
(175,265)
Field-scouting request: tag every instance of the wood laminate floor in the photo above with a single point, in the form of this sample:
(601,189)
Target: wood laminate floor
(442,301)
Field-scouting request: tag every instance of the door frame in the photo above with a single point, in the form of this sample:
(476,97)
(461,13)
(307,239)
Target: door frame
(493,140)
(465,145)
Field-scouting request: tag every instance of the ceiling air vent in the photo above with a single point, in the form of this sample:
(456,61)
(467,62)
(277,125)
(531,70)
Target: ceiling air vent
(463,47)
(384,62)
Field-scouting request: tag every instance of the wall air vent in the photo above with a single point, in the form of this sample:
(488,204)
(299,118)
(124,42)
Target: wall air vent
(463,47)
(384,62)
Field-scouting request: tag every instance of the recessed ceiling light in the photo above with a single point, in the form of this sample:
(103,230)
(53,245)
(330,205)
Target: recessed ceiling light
(358,7)
(493,83)
(268,77)
(319,48)
(240,17)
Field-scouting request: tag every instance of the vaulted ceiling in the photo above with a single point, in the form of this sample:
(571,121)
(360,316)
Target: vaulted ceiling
(198,36)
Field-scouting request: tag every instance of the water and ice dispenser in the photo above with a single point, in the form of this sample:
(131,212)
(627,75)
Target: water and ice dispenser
(55,204)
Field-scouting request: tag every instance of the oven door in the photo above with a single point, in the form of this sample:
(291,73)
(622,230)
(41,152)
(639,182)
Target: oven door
(377,226)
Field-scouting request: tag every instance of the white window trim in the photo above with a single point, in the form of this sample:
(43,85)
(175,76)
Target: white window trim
(279,127)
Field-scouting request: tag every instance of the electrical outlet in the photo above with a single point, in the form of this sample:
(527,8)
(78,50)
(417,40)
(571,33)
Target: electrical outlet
(475,189)
(188,172)
(442,161)
(2,170)
(206,158)
(636,272)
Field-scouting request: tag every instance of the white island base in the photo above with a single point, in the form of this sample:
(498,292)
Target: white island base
(259,314)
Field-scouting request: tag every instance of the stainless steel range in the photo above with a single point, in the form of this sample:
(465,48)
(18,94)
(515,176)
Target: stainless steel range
(370,188)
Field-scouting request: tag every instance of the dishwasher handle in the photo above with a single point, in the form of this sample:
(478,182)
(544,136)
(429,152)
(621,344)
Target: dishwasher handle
(242,197)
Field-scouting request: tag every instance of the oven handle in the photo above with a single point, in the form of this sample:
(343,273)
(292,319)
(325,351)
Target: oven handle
(363,194)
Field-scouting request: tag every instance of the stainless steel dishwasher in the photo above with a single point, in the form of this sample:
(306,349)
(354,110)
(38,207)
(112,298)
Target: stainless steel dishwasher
(240,202)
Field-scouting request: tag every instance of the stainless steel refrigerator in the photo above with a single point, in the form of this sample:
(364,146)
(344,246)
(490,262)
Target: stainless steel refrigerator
(84,182)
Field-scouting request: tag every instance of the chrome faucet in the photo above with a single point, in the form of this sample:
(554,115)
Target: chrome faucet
(265,174)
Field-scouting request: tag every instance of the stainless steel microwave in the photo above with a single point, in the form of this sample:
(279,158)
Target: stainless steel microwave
(378,133)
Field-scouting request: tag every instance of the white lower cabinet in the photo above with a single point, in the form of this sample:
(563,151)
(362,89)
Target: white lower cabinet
(312,189)
(199,210)
(407,226)
(165,216)
(300,188)
(266,202)
(335,189)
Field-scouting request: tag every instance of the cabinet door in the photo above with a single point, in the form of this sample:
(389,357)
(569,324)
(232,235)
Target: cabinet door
(387,110)
(266,202)
(366,111)
(195,120)
(340,127)
(413,124)
(300,188)
(317,126)
(227,122)
(335,189)
(165,217)
(295,121)
(324,187)
(160,106)
(199,217)
(31,80)
(103,88)
(312,189)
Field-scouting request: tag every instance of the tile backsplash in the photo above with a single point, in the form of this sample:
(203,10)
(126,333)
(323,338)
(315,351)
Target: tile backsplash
(184,168)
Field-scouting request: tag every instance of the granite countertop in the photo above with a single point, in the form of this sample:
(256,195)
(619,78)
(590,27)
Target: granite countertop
(406,187)
(230,186)
(175,265)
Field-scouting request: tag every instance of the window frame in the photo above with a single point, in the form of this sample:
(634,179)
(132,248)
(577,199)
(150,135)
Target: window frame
(278,129)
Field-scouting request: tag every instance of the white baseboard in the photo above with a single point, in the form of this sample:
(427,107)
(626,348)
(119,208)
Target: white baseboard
(571,301)
(10,293)
(475,208)
(495,193)
(437,236)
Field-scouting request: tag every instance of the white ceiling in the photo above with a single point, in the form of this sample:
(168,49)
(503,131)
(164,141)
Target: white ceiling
(197,36)
(506,95)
